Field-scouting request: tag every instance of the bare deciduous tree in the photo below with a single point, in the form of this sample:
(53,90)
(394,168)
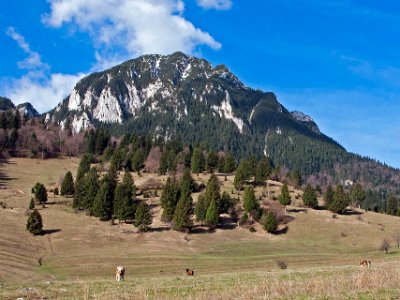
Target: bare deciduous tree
(396,239)
(385,245)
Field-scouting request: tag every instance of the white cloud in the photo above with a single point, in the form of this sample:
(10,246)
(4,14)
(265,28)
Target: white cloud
(128,28)
(44,94)
(215,4)
(37,86)
(33,61)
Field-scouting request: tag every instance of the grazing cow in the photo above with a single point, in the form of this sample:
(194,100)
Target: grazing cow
(119,273)
(189,272)
(365,264)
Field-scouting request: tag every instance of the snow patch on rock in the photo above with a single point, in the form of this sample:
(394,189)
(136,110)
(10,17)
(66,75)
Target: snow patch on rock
(299,116)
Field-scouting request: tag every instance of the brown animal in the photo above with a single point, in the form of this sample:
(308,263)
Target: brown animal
(119,273)
(365,264)
(189,272)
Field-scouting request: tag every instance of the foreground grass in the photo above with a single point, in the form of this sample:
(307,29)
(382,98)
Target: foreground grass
(381,282)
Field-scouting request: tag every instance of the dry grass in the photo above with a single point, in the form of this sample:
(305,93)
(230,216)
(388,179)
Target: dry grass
(229,263)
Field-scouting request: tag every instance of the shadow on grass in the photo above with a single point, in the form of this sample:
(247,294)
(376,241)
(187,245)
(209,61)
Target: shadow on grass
(158,229)
(283,230)
(49,231)
(201,229)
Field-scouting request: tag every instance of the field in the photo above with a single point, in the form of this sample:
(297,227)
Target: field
(77,255)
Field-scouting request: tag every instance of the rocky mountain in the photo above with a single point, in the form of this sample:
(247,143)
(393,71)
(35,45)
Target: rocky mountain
(184,97)
(28,110)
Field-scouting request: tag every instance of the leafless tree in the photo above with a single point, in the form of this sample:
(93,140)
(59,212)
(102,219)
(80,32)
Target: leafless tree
(396,239)
(385,245)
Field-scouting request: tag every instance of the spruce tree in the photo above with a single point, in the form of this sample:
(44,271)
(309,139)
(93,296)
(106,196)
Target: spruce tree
(32,204)
(213,189)
(187,182)
(226,203)
(182,215)
(229,163)
(340,200)
(328,197)
(198,161)
(357,194)
(284,197)
(263,170)
(40,193)
(79,191)
(143,217)
(212,215)
(269,222)
(212,161)
(249,199)
(243,173)
(169,198)
(201,208)
(123,199)
(91,187)
(138,159)
(67,186)
(103,203)
(34,224)
(309,197)
(392,204)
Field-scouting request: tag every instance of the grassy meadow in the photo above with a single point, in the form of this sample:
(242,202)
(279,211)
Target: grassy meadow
(77,255)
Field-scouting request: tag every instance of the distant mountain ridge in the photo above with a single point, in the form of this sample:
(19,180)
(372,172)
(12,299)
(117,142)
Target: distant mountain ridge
(26,108)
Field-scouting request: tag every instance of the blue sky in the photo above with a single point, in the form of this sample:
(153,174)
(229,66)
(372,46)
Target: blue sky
(336,60)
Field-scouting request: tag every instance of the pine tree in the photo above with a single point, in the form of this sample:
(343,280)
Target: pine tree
(103,203)
(212,215)
(340,200)
(263,170)
(32,204)
(309,197)
(183,211)
(284,197)
(249,199)
(143,217)
(201,208)
(328,197)
(67,186)
(198,161)
(40,193)
(169,198)
(34,224)
(90,186)
(269,222)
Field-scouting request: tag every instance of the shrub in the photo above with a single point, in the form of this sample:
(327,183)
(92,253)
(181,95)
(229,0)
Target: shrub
(244,219)
(252,229)
(56,191)
(281,264)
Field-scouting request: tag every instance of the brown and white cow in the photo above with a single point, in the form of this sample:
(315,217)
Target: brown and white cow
(119,273)
(365,264)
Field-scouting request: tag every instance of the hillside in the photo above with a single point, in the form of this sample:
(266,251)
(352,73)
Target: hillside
(186,98)
(79,253)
